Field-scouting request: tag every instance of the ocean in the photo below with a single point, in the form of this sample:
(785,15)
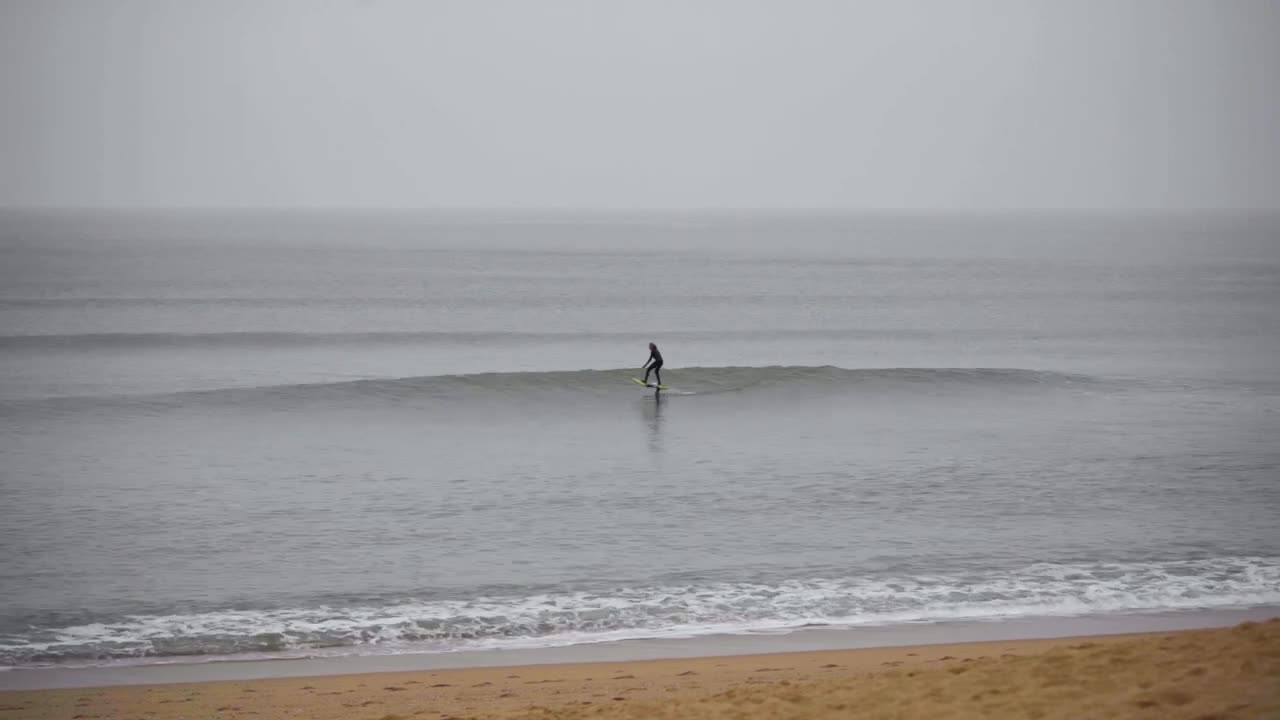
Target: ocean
(233,434)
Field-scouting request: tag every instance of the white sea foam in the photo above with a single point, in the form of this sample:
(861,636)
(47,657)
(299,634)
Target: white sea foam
(556,619)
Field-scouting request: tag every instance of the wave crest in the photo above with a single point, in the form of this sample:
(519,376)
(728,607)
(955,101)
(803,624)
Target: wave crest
(491,387)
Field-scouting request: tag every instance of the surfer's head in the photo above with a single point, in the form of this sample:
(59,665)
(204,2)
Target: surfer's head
(652,346)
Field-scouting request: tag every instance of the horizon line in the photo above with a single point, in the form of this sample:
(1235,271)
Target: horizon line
(551,210)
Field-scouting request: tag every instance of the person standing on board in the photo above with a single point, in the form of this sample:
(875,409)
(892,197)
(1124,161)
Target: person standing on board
(655,358)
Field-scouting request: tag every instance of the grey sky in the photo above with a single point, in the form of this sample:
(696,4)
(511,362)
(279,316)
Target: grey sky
(544,103)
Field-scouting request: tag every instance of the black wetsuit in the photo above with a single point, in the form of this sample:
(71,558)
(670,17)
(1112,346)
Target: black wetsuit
(655,357)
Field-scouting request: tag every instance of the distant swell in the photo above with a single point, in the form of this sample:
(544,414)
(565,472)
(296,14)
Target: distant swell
(271,340)
(259,340)
(495,387)
(564,618)
(91,341)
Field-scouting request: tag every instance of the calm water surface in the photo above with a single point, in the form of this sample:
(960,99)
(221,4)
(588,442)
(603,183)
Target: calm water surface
(229,433)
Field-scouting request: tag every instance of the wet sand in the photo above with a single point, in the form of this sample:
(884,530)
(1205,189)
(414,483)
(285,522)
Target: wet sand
(1222,673)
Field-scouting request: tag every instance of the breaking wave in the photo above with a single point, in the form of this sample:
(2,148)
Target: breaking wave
(562,618)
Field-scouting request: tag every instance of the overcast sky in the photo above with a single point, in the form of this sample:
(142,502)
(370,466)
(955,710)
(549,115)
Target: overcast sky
(600,104)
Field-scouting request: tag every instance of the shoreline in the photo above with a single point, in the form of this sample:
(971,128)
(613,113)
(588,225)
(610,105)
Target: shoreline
(823,639)
(1223,672)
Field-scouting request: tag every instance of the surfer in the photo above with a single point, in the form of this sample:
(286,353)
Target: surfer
(655,358)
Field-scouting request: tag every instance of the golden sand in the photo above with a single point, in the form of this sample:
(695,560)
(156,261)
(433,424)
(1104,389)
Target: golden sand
(1205,674)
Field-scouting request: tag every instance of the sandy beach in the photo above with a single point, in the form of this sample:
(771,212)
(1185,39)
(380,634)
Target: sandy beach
(1222,673)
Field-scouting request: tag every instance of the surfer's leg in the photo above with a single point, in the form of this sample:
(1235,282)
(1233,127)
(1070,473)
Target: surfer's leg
(657,374)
